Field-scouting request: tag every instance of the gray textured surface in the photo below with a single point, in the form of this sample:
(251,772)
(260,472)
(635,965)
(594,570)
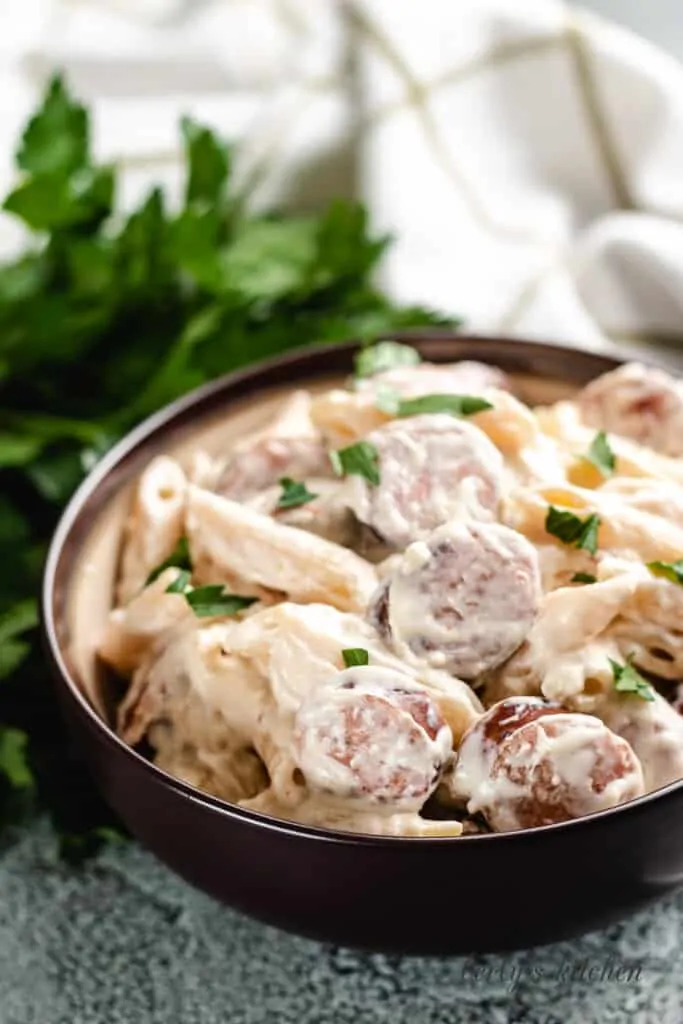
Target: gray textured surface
(122,941)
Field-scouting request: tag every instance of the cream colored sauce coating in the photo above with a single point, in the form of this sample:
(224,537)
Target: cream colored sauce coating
(561,768)
(464,615)
(433,469)
(253,708)
(397,758)
(655,731)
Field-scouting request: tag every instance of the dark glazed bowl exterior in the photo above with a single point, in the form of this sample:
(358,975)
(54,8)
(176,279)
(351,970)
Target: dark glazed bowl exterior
(473,894)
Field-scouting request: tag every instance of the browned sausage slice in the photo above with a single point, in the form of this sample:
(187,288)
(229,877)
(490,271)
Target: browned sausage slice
(526,763)
(463,599)
(432,468)
(374,736)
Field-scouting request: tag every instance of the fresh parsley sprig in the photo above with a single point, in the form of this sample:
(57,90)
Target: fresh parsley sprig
(572,530)
(455,405)
(214,599)
(360,459)
(178,559)
(354,656)
(672,571)
(181,584)
(601,455)
(210,600)
(294,494)
(627,679)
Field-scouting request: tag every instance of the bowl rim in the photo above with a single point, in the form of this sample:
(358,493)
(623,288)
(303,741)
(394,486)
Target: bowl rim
(164,418)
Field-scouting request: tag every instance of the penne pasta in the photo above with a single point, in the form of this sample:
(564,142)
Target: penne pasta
(253,547)
(154,526)
(512,656)
(133,631)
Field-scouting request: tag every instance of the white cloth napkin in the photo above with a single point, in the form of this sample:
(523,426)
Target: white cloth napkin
(528,157)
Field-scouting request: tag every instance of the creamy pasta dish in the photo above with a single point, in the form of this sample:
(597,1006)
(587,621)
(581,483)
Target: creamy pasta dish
(415,606)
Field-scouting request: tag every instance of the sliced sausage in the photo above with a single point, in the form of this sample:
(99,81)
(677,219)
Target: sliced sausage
(432,468)
(372,736)
(260,465)
(639,402)
(463,599)
(655,731)
(465,378)
(526,763)
(325,515)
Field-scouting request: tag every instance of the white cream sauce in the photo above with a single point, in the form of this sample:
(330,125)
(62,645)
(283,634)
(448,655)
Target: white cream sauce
(654,730)
(479,624)
(402,750)
(570,759)
(433,469)
(220,698)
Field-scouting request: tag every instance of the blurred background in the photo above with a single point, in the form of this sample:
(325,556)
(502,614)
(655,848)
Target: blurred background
(661,21)
(544,118)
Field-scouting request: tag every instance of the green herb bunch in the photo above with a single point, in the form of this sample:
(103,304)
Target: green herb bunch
(107,316)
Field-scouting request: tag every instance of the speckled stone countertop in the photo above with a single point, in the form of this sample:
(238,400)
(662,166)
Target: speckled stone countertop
(123,941)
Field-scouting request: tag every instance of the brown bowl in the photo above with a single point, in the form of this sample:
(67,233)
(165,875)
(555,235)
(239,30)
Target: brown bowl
(472,894)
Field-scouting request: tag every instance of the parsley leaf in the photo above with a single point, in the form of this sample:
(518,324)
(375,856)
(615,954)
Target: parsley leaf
(456,405)
(49,203)
(360,459)
(13,761)
(21,618)
(385,355)
(215,600)
(178,559)
(355,656)
(16,450)
(601,455)
(180,584)
(207,601)
(293,494)
(57,137)
(668,570)
(208,163)
(571,529)
(583,577)
(627,679)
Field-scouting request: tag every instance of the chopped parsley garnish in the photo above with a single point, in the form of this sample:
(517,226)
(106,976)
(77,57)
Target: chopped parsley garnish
(627,679)
(455,405)
(215,600)
(583,577)
(669,570)
(360,459)
(355,656)
(178,559)
(180,583)
(385,355)
(294,493)
(601,455)
(571,529)
(210,600)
